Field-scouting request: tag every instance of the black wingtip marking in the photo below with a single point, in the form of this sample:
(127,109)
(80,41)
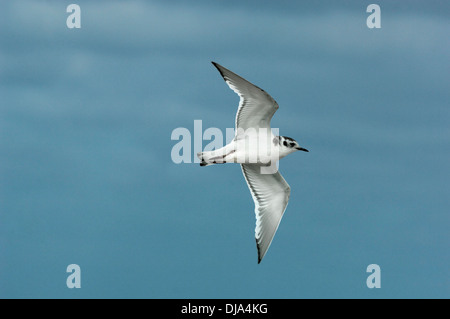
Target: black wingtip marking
(218,68)
(259,252)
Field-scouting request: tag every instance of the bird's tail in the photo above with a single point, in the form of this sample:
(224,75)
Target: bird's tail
(209,158)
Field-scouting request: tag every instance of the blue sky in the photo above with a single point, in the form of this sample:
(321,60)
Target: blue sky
(86,175)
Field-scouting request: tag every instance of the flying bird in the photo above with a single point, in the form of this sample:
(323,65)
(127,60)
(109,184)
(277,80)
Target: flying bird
(256,148)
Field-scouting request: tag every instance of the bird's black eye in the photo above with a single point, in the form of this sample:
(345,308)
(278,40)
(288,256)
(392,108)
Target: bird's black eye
(284,143)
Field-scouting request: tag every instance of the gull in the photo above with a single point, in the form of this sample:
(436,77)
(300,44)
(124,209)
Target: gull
(256,148)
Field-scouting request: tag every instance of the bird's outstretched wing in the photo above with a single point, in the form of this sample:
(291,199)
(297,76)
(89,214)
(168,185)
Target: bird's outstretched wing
(256,106)
(270,193)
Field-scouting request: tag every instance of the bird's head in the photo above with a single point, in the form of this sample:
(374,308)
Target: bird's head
(289,144)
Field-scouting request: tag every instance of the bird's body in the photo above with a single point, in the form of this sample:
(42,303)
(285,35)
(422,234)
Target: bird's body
(251,147)
(257,149)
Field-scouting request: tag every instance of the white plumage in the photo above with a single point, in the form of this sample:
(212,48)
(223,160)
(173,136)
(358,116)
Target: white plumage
(257,150)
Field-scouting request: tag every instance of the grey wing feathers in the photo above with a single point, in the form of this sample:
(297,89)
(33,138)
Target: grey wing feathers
(270,194)
(256,106)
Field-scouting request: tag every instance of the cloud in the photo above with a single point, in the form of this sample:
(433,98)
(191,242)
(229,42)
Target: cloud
(145,63)
(87,115)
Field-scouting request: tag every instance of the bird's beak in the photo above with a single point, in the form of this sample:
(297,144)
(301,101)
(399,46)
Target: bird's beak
(302,149)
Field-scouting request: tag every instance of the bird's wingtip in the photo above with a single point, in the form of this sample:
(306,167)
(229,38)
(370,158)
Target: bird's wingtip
(259,251)
(219,68)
